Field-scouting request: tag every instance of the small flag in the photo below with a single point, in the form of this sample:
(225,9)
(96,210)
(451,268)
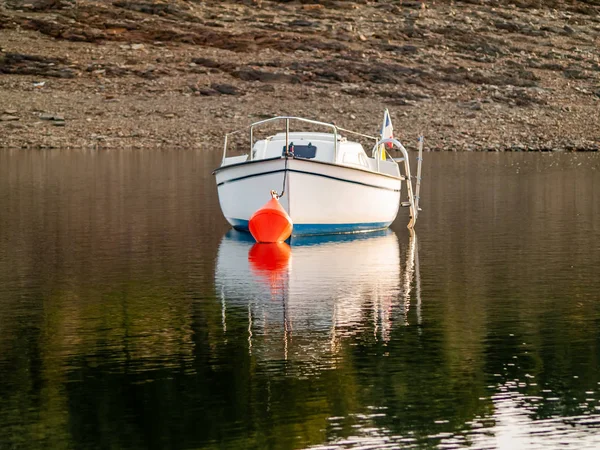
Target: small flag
(387,132)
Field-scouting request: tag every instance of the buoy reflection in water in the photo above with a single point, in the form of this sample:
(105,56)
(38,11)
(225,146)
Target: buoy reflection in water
(269,261)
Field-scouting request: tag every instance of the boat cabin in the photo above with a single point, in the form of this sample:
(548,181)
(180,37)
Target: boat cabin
(317,147)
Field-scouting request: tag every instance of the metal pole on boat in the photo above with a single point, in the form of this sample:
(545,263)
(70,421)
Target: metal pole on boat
(419,163)
(251,141)
(287,135)
(411,197)
(335,145)
(224,149)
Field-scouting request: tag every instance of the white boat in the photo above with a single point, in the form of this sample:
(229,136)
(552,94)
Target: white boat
(328,184)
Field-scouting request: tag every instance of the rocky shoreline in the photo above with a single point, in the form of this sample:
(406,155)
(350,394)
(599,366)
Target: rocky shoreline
(469,75)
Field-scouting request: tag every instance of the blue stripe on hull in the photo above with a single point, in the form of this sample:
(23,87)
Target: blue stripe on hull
(321,228)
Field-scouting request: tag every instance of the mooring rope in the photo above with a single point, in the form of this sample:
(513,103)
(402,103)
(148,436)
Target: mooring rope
(285,171)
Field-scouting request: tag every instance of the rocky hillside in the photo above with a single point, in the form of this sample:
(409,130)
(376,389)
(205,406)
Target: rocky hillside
(140,73)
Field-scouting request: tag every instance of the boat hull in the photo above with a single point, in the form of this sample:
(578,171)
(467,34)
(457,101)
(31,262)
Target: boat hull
(321,198)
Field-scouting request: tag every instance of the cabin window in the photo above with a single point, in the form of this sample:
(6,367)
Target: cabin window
(302,151)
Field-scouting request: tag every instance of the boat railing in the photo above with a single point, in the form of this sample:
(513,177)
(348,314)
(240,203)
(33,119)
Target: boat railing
(358,134)
(413,199)
(336,130)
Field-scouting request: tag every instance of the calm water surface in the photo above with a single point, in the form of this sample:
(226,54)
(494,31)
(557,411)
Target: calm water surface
(131,317)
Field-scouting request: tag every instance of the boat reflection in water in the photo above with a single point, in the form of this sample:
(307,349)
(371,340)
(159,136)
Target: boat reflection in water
(300,301)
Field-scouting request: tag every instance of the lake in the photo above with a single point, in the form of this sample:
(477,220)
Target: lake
(132,317)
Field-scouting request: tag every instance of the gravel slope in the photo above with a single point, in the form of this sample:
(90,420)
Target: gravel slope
(467,74)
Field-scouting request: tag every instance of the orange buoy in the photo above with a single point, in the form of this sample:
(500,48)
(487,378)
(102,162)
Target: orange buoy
(271,223)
